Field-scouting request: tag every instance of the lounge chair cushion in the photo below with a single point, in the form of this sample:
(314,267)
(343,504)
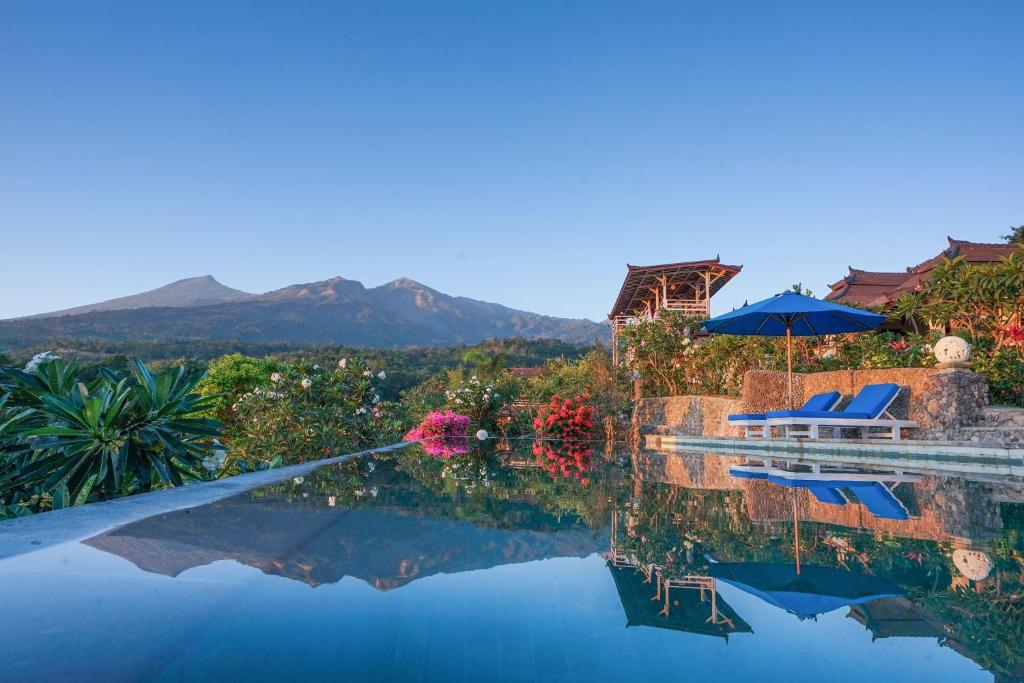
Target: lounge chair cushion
(872,399)
(823,401)
(826,414)
(747,474)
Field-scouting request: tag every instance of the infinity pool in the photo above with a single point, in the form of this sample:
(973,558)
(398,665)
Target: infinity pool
(539,563)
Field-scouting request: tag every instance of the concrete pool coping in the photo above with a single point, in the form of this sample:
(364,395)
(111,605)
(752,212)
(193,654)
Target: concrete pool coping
(46,529)
(948,457)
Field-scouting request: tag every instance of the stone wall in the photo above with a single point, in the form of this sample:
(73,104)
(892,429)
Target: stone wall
(947,404)
(942,509)
(685,415)
(942,402)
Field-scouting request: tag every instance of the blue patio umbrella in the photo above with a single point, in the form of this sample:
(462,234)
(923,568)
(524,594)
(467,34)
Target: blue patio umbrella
(792,314)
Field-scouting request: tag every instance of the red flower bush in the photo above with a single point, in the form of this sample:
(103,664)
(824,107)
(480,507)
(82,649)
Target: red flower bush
(568,419)
(1011,334)
(446,433)
(565,459)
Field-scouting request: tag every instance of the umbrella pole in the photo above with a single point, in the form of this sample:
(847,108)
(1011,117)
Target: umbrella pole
(796,534)
(789,363)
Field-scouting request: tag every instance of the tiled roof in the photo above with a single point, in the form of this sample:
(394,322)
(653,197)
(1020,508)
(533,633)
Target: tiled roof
(879,288)
(864,286)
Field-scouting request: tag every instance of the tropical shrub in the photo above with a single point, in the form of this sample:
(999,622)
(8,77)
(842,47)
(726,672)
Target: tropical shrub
(669,360)
(982,300)
(568,419)
(310,413)
(230,377)
(565,458)
(593,374)
(445,434)
(66,442)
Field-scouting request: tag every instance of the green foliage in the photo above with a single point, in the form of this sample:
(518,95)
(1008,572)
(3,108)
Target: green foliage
(407,367)
(481,400)
(593,374)
(310,413)
(878,350)
(984,300)
(985,303)
(668,359)
(1004,370)
(229,377)
(66,441)
(1016,234)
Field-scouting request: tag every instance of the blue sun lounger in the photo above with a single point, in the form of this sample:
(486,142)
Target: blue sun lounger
(827,487)
(758,421)
(874,495)
(868,409)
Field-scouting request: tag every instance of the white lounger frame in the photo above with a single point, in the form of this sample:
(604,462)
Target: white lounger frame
(812,426)
(761,429)
(816,471)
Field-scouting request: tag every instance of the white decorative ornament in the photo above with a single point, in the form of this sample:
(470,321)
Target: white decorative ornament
(952,350)
(482,435)
(973,564)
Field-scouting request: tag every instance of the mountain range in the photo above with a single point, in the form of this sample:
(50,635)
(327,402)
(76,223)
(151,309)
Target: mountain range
(334,311)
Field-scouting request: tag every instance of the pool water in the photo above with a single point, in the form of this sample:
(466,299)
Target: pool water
(537,563)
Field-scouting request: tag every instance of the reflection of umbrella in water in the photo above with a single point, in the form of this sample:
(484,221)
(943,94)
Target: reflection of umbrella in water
(689,614)
(815,591)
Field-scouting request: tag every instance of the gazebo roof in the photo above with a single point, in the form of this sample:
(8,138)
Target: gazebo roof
(640,279)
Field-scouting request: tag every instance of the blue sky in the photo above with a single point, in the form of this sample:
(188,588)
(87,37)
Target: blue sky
(518,152)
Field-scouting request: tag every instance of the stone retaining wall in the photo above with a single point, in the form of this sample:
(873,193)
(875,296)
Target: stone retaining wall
(942,402)
(685,415)
(945,403)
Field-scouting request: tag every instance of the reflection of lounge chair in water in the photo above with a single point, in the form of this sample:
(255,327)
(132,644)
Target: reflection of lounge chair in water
(828,486)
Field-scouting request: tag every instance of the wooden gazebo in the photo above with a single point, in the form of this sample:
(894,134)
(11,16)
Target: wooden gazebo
(686,286)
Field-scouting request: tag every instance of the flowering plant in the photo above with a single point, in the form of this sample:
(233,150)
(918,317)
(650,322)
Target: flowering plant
(478,400)
(309,412)
(569,419)
(446,433)
(566,459)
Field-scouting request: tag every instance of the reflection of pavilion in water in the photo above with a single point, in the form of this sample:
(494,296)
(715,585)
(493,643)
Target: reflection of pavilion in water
(689,602)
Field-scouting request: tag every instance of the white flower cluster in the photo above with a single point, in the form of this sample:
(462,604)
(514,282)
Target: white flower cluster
(215,460)
(38,360)
(475,393)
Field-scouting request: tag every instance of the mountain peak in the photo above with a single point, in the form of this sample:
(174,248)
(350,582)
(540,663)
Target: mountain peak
(202,290)
(332,311)
(405,283)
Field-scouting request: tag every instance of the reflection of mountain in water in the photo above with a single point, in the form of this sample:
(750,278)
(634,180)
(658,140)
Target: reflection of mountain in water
(311,542)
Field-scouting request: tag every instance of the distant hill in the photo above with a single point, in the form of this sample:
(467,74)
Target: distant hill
(193,291)
(335,311)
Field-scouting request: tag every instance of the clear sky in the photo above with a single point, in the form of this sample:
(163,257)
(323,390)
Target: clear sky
(518,152)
